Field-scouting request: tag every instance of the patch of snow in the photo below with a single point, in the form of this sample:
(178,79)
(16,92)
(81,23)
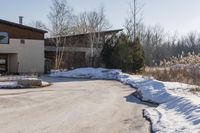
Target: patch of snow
(180,89)
(12,84)
(177,112)
(91,73)
(29,79)
(44,84)
(178,115)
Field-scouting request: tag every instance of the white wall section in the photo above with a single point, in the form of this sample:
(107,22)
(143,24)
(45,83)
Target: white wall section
(29,56)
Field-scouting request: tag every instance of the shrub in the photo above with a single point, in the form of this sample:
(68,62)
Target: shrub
(122,53)
(107,51)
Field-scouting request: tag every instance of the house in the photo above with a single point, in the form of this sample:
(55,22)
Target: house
(21,48)
(76,49)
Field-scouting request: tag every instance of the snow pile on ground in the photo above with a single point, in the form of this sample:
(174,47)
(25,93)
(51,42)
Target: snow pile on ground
(177,112)
(90,73)
(180,115)
(15,82)
(9,84)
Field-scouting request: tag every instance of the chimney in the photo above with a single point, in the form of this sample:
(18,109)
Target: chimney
(21,20)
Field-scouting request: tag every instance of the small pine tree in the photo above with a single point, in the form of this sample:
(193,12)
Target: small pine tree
(124,54)
(107,52)
(138,56)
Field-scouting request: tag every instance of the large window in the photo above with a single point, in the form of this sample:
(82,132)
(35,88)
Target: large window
(4,38)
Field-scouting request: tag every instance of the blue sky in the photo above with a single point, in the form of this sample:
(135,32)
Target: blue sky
(181,16)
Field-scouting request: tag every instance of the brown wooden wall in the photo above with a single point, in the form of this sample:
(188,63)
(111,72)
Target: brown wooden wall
(21,33)
(71,41)
(70,59)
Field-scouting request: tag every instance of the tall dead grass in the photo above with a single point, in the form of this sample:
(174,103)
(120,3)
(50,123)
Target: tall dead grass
(184,69)
(168,74)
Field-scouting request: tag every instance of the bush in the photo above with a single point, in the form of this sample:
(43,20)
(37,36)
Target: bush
(122,53)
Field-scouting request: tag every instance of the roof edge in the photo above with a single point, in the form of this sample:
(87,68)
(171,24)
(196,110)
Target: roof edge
(22,26)
(106,31)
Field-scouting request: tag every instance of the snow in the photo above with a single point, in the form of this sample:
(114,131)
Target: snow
(92,73)
(12,84)
(177,115)
(178,111)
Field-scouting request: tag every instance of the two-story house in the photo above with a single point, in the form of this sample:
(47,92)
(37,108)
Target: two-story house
(21,48)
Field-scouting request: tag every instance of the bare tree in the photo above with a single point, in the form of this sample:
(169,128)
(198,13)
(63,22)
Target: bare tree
(38,24)
(60,18)
(154,38)
(133,23)
(93,23)
(81,23)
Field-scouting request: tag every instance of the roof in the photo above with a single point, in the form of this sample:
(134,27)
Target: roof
(101,32)
(21,26)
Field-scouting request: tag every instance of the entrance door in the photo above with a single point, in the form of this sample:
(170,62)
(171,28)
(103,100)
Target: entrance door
(3,63)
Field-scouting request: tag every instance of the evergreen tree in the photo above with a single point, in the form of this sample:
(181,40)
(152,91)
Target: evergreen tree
(123,54)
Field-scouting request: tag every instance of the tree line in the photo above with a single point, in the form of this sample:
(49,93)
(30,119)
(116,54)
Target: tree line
(157,44)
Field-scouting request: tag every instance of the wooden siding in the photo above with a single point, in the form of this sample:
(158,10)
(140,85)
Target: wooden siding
(21,33)
(71,41)
(70,59)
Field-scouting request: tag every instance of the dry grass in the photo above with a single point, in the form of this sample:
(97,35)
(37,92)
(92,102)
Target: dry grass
(179,75)
(183,76)
(183,69)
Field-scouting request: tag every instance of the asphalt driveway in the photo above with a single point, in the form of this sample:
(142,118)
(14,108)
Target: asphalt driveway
(72,106)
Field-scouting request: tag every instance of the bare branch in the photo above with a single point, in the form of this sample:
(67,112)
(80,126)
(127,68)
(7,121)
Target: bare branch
(61,20)
(133,23)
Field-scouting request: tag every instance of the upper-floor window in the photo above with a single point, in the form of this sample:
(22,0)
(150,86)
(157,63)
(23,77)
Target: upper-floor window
(4,38)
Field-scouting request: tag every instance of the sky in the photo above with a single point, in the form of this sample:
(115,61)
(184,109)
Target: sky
(180,16)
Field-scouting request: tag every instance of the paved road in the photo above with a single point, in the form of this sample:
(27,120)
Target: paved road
(72,106)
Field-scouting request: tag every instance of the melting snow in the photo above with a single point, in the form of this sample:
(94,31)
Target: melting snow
(12,84)
(177,110)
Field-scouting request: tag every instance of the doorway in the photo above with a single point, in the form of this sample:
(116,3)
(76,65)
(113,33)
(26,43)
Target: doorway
(3,63)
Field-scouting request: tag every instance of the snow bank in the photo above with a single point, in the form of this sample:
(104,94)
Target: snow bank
(91,73)
(17,83)
(9,84)
(176,112)
(179,115)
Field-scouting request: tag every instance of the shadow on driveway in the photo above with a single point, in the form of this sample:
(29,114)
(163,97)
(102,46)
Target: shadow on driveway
(133,99)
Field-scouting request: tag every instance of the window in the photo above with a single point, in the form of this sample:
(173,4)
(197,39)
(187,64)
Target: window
(22,41)
(4,38)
